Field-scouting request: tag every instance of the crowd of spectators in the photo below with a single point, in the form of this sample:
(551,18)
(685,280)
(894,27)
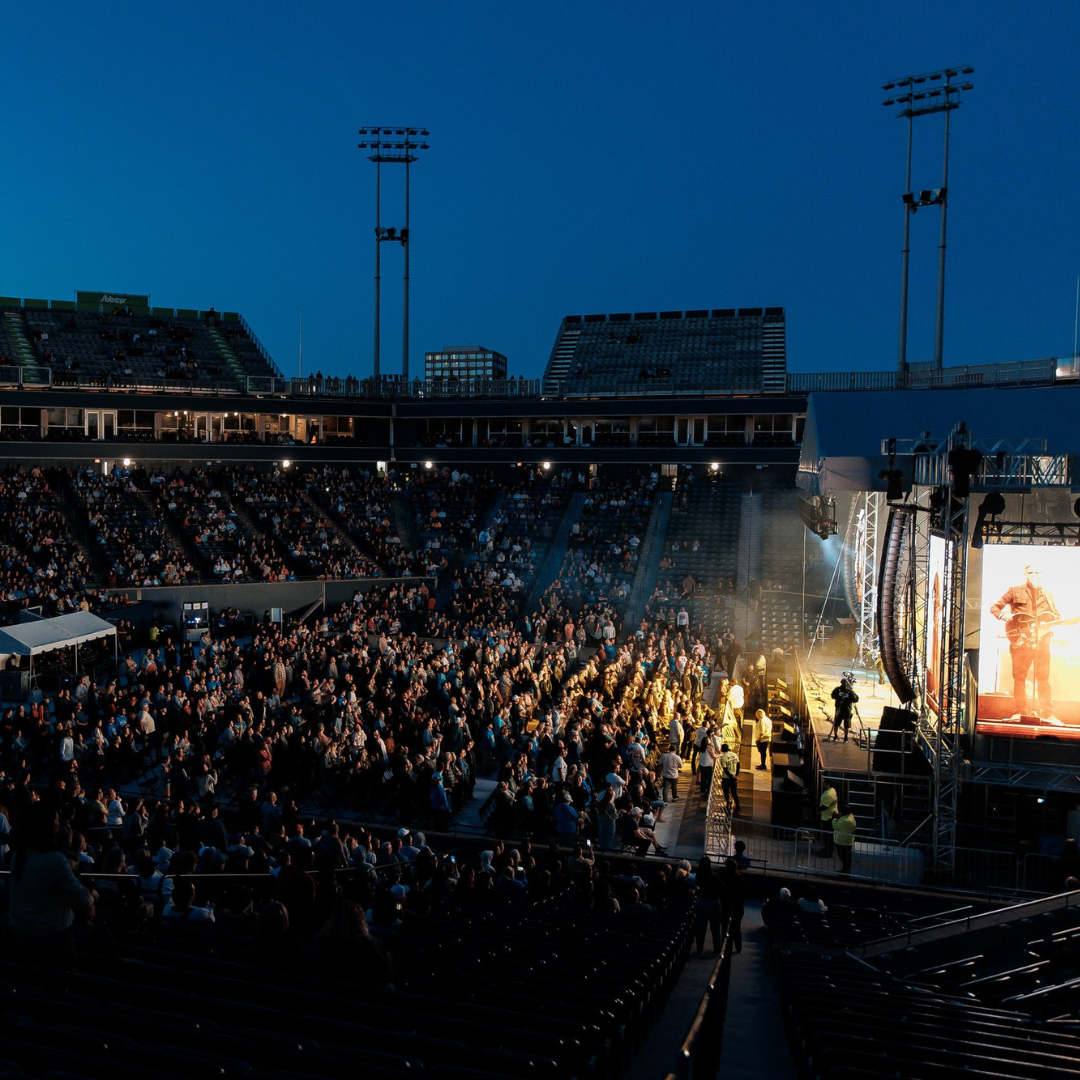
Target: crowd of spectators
(277,501)
(230,549)
(42,563)
(228,739)
(448,505)
(602,554)
(491,586)
(361,503)
(134,544)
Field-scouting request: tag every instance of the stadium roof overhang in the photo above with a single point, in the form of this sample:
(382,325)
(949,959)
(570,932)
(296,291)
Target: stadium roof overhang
(842,440)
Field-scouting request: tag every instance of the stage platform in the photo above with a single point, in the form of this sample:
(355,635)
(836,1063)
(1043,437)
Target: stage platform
(821,673)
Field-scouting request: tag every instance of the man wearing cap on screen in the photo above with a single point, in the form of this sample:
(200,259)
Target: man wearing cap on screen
(1031,609)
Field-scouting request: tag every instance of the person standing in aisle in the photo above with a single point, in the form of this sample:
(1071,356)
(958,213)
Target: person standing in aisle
(844,827)
(670,764)
(762,734)
(729,776)
(845,698)
(827,810)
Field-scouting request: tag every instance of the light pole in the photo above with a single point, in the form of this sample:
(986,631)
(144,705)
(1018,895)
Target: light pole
(921,95)
(397,146)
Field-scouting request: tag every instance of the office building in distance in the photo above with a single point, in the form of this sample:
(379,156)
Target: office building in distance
(464,362)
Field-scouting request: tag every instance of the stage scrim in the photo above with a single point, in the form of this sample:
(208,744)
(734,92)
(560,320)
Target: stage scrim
(1029,648)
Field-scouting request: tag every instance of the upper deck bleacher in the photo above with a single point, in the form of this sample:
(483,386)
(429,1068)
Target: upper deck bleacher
(726,350)
(130,344)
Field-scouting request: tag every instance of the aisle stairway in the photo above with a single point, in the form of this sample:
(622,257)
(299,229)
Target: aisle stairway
(564,353)
(652,550)
(24,356)
(232,362)
(557,552)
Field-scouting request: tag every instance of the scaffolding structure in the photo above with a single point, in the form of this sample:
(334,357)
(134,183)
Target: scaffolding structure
(866,547)
(945,470)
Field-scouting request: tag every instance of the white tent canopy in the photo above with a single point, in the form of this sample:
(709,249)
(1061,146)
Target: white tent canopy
(44,635)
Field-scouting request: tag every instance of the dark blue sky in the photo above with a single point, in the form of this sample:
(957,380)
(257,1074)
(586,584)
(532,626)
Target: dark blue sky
(586,157)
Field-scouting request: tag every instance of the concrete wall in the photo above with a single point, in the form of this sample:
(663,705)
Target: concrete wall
(166,602)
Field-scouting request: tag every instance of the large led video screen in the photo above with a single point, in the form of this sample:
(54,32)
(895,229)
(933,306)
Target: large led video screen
(1029,642)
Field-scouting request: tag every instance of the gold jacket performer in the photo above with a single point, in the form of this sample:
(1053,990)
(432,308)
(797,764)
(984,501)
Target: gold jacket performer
(1031,610)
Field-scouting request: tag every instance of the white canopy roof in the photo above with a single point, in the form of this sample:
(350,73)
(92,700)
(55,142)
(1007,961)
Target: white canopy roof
(44,635)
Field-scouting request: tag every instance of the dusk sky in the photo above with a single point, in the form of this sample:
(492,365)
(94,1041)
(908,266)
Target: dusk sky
(585,157)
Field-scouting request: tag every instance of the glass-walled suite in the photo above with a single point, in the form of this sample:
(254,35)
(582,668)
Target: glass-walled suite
(219,425)
(500,431)
(774,429)
(656,431)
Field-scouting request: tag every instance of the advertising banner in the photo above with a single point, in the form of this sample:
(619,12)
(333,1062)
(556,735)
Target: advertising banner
(110,301)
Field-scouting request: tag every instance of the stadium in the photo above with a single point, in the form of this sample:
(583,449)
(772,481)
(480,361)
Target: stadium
(682,684)
(356,633)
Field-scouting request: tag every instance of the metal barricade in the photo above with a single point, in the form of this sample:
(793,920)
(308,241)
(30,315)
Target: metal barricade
(1041,873)
(811,851)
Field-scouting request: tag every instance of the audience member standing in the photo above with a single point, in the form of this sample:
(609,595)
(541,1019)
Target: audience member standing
(844,827)
(762,734)
(45,895)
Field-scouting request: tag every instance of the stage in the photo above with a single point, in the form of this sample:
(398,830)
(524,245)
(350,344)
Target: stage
(821,673)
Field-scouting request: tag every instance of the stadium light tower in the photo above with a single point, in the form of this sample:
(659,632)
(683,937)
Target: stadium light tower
(392,146)
(921,95)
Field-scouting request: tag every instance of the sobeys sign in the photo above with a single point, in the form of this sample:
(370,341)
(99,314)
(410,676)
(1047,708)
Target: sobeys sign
(89,301)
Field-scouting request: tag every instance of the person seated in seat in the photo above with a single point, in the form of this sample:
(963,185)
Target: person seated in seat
(182,907)
(635,834)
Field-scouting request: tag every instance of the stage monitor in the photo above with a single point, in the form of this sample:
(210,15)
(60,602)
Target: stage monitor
(1029,642)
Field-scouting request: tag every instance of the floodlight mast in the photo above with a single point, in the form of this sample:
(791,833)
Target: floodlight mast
(915,101)
(399,146)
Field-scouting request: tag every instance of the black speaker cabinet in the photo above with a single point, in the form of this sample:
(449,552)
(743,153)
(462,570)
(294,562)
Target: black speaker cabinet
(894,748)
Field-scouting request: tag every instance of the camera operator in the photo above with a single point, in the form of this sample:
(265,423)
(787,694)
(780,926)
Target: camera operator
(845,698)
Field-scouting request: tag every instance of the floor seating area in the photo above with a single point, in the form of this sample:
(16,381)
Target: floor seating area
(846,1020)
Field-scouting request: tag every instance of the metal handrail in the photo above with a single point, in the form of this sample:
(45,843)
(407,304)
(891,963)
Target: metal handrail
(919,377)
(981,921)
(699,1052)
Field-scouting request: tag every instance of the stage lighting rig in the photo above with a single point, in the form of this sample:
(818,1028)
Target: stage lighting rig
(818,514)
(990,507)
(895,490)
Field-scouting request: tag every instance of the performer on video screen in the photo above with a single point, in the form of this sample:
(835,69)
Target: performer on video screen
(1030,609)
